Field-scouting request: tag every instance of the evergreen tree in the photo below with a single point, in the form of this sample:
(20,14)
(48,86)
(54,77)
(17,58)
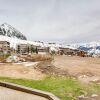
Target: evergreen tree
(18,49)
(36,50)
(28,49)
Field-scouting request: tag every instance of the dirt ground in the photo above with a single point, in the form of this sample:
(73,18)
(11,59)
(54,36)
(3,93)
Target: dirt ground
(20,71)
(84,68)
(78,65)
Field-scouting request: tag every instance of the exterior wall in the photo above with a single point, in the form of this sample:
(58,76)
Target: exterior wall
(43,50)
(75,52)
(66,51)
(24,48)
(5,47)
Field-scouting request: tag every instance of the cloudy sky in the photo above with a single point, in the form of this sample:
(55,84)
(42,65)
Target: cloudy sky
(67,21)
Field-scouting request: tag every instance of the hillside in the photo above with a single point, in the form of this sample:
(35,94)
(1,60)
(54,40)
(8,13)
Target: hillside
(8,30)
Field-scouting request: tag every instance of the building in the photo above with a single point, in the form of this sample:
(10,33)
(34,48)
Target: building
(72,52)
(66,51)
(43,50)
(5,47)
(21,48)
(25,48)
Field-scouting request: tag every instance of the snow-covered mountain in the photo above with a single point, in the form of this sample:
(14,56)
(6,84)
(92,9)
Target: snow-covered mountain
(90,47)
(10,34)
(8,30)
(14,37)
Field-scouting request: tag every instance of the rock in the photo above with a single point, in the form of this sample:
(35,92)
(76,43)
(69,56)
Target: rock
(83,76)
(22,59)
(14,59)
(81,96)
(84,93)
(87,78)
(94,95)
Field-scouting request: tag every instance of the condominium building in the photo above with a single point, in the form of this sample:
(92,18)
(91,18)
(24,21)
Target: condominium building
(5,47)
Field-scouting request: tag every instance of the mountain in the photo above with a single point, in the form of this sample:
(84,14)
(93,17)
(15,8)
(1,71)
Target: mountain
(90,47)
(10,34)
(8,30)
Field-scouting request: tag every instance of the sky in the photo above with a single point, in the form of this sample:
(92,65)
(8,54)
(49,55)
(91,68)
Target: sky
(64,21)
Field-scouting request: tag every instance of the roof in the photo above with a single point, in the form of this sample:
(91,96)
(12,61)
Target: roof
(4,42)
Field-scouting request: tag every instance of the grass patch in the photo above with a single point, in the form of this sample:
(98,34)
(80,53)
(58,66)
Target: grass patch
(3,57)
(64,87)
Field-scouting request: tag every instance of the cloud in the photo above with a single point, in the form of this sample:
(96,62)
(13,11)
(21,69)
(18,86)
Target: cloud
(53,20)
